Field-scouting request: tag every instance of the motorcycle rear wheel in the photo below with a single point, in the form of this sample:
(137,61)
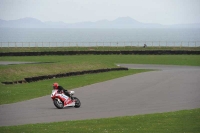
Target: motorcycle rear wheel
(77,102)
(59,104)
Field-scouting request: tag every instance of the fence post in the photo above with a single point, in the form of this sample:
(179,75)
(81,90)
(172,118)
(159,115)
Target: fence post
(101,44)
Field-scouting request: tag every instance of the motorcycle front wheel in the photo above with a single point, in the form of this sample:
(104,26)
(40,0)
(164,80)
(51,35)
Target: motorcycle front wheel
(59,104)
(77,102)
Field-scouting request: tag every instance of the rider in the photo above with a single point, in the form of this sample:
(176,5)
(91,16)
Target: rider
(60,89)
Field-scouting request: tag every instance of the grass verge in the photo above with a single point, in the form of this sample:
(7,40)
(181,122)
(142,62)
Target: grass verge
(185,121)
(84,62)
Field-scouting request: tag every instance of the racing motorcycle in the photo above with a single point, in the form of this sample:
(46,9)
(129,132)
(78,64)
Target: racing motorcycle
(60,100)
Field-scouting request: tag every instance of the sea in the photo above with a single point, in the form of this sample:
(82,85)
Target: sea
(19,37)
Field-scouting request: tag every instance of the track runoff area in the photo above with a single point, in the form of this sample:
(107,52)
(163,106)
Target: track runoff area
(168,88)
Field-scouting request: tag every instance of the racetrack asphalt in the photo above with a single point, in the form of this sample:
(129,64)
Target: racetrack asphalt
(169,88)
(20,62)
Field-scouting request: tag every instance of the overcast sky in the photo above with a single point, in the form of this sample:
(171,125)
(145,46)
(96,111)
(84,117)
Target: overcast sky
(70,11)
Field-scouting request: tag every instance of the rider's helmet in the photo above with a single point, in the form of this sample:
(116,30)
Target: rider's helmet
(55,85)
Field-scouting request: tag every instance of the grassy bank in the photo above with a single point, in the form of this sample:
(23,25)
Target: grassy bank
(84,62)
(186,121)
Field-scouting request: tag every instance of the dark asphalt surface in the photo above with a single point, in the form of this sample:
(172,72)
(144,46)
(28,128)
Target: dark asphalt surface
(14,62)
(171,88)
(19,62)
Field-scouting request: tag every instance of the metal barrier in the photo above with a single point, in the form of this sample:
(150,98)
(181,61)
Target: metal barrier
(103,44)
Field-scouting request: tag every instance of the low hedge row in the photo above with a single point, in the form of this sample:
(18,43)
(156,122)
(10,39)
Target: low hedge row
(38,78)
(146,52)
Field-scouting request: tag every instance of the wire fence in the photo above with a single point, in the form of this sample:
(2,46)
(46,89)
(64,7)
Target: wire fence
(103,44)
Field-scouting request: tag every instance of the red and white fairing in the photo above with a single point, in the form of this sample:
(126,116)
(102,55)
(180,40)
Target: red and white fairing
(63,98)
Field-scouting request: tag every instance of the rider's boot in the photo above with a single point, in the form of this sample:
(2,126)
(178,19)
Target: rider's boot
(71,98)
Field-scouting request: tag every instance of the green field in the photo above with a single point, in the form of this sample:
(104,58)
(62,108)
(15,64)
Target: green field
(186,121)
(63,64)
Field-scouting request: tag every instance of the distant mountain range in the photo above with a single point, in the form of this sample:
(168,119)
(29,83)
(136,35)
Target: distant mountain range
(121,22)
